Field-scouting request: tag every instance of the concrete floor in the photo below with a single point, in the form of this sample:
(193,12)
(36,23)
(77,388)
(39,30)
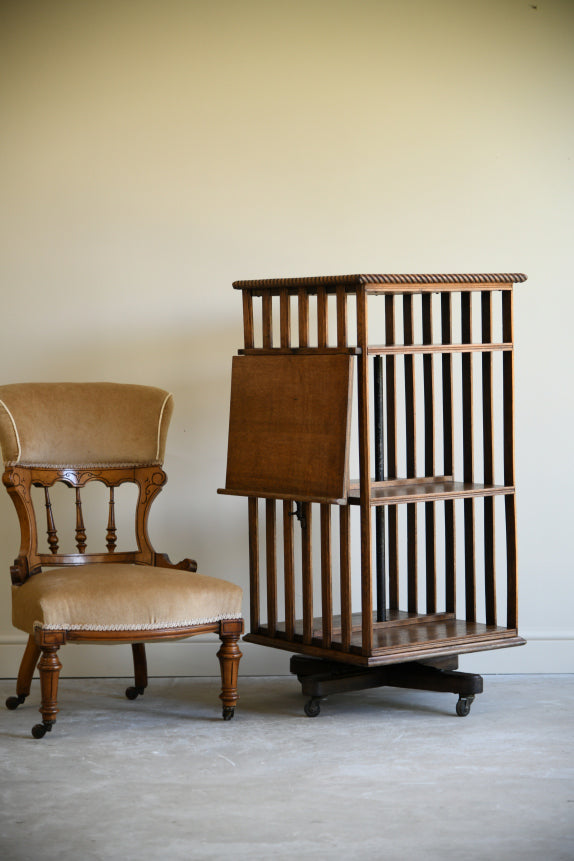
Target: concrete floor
(382,774)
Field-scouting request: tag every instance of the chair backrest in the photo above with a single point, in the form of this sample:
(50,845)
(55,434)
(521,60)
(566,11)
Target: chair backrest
(75,433)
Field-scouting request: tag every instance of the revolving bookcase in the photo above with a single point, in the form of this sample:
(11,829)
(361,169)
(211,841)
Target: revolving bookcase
(386,578)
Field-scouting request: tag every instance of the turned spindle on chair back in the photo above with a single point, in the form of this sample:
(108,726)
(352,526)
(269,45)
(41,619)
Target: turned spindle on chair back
(80,527)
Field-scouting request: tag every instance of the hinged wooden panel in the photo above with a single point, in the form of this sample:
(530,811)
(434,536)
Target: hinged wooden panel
(289,427)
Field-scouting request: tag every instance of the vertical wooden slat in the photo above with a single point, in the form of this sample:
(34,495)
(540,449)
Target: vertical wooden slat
(468,458)
(306,562)
(253,503)
(307,572)
(511,564)
(393,564)
(322,317)
(248,327)
(430,526)
(487,412)
(488,456)
(447,410)
(289,570)
(489,562)
(391,425)
(469,561)
(410,395)
(267,313)
(467,395)
(410,418)
(448,454)
(326,575)
(53,543)
(271,560)
(285,317)
(390,374)
(303,313)
(508,433)
(380,549)
(412,568)
(80,528)
(365,473)
(508,388)
(450,556)
(430,548)
(344,510)
(428,377)
(253,509)
(345,576)
(342,316)
(111,533)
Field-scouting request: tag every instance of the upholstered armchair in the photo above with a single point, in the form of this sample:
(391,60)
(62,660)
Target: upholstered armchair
(79,433)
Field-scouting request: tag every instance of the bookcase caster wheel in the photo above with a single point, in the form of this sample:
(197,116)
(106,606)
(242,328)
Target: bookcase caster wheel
(463,705)
(228,712)
(312,707)
(134,692)
(40,729)
(13,702)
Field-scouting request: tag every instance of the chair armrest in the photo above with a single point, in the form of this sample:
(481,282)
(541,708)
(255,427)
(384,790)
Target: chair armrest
(162,560)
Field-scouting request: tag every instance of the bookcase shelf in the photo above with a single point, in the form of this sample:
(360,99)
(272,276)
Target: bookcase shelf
(423,490)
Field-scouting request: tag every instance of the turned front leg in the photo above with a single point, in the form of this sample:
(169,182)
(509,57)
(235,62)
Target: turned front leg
(49,668)
(229,656)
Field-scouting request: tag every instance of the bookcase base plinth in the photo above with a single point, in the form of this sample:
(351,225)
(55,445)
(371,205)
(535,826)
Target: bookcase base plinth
(320,678)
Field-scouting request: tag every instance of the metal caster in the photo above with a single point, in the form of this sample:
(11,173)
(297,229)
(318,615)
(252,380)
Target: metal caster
(228,712)
(134,692)
(13,702)
(312,707)
(463,705)
(40,729)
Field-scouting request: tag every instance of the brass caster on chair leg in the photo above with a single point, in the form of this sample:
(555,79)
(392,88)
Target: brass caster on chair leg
(228,712)
(40,729)
(13,702)
(134,692)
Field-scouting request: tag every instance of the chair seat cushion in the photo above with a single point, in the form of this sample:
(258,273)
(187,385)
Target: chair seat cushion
(122,597)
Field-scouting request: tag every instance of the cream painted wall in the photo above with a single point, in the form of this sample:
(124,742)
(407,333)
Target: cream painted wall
(153,152)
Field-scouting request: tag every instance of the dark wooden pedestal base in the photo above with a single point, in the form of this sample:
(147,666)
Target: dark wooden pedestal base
(319,678)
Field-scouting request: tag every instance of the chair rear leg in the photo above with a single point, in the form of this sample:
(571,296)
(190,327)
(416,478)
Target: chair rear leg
(49,668)
(27,666)
(229,656)
(140,671)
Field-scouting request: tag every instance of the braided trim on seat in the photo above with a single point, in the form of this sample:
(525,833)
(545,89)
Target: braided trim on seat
(153,626)
(76,466)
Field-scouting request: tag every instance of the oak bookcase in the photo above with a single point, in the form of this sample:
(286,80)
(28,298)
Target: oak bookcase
(387,577)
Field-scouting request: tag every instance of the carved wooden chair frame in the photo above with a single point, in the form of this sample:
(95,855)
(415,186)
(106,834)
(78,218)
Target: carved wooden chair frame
(43,645)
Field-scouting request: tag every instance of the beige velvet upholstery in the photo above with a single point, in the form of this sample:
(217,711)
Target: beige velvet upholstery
(62,424)
(119,597)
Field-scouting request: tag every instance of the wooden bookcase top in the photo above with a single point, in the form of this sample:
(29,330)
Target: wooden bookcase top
(384,283)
